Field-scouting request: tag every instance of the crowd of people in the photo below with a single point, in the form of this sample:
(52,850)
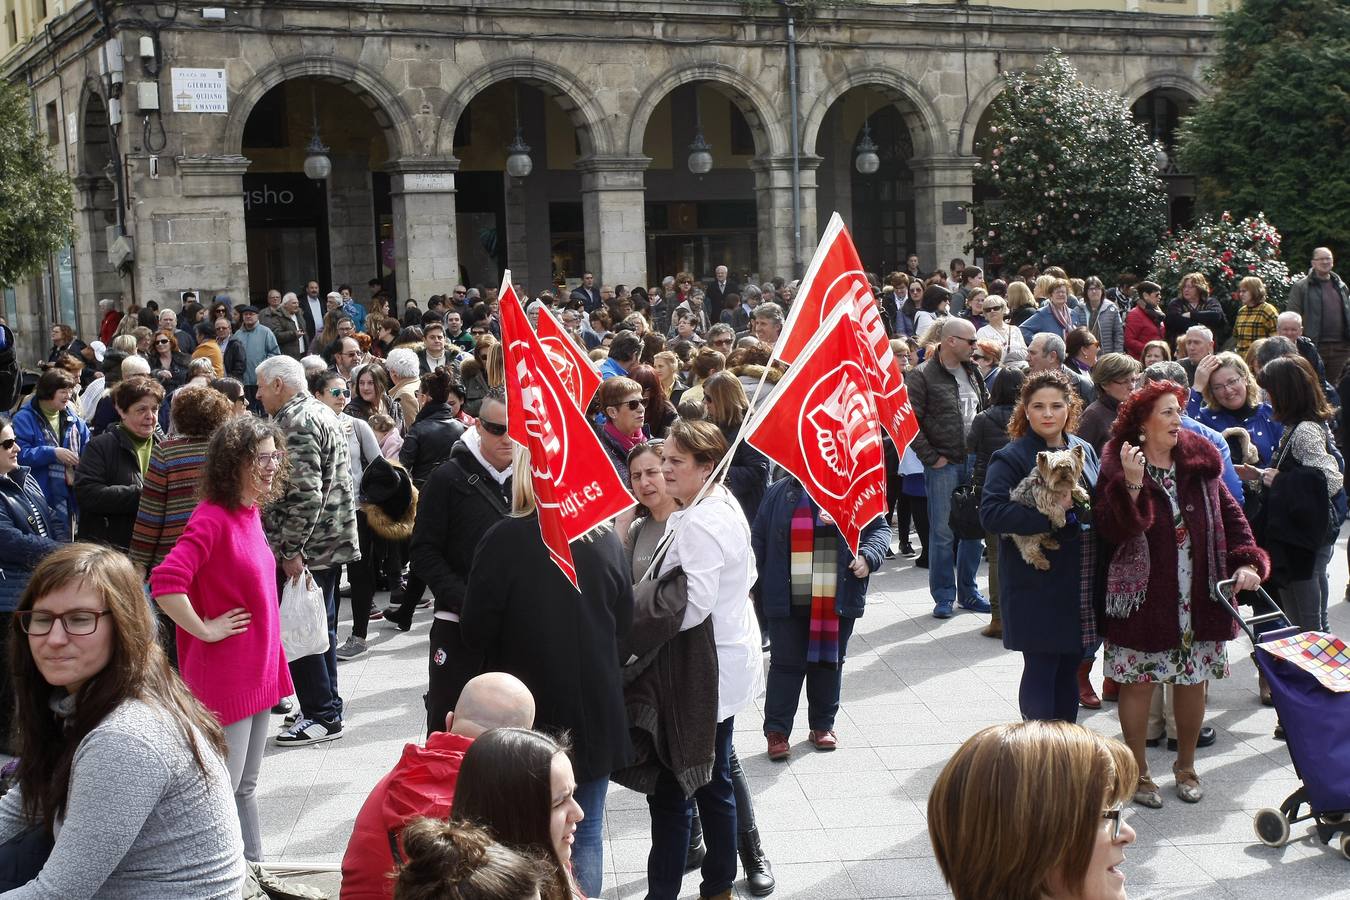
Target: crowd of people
(211,458)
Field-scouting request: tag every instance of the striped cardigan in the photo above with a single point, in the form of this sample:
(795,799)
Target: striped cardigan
(169,497)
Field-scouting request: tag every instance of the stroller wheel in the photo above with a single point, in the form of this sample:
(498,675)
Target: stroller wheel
(1345,845)
(1272,828)
(1334,818)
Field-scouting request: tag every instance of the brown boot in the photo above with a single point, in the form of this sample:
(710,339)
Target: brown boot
(995,627)
(1086,695)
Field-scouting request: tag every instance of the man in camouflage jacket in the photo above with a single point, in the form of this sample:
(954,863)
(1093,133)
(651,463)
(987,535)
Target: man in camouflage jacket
(312,525)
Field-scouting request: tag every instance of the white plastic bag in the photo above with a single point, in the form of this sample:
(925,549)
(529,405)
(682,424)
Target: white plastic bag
(304,619)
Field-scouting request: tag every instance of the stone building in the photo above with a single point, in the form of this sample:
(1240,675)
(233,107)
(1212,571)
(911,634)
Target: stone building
(187,130)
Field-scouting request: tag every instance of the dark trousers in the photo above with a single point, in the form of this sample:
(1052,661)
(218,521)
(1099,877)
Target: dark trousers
(918,508)
(449,667)
(1049,687)
(361,576)
(670,811)
(315,677)
(789,637)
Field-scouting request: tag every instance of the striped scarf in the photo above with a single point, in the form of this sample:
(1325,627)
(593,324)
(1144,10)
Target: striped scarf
(814,573)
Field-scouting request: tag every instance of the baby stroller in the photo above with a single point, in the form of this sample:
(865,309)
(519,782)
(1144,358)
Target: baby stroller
(1309,677)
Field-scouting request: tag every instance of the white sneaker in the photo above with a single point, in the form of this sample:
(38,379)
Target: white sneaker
(308,731)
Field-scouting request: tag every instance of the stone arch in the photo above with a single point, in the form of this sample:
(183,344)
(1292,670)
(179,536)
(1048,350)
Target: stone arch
(918,109)
(1175,81)
(94,144)
(565,89)
(368,86)
(771,138)
(979,105)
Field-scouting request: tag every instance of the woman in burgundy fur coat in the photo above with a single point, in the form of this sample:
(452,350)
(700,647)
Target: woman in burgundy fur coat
(1177,531)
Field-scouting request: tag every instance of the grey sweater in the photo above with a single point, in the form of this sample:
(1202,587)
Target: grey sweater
(141,822)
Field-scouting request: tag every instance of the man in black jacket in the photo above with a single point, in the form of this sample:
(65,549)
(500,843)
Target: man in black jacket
(462,499)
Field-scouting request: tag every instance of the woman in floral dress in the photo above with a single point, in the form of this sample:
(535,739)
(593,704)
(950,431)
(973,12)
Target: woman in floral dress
(1177,531)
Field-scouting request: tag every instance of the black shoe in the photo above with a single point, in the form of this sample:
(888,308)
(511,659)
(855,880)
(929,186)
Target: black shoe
(1155,742)
(890,554)
(1279,732)
(921,561)
(1207,738)
(284,708)
(697,851)
(758,873)
(401,618)
(907,549)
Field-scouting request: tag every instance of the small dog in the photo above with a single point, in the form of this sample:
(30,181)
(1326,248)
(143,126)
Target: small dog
(1054,478)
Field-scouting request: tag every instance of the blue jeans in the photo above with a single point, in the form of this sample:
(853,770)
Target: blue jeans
(670,811)
(315,677)
(588,847)
(945,553)
(788,640)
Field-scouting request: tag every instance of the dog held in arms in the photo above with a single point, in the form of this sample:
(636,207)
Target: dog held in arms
(1055,477)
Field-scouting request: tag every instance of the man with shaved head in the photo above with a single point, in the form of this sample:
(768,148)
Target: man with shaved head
(422,783)
(946,393)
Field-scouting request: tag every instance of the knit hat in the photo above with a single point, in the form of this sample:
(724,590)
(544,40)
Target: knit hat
(387,486)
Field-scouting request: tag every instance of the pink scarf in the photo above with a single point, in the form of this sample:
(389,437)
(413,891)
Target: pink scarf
(626,442)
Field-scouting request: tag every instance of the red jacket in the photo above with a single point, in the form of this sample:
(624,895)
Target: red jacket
(108,327)
(1140,328)
(421,784)
(1154,626)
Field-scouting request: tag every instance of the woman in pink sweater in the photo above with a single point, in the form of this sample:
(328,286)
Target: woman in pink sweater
(219,586)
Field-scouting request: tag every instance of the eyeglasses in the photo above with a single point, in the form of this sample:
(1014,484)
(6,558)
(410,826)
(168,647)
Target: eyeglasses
(339,392)
(8,443)
(632,405)
(494,428)
(978,357)
(76,621)
(971,341)
(162,343)
(1229,385)
(263,460)
(1117,816)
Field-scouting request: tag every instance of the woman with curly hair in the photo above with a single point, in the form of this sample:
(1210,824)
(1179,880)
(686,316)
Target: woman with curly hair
(1047,613)
(219,586)
(1177,532)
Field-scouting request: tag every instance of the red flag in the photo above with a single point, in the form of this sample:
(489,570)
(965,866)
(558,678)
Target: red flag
(575,485)
(835,278)
(821,425)
(578,374)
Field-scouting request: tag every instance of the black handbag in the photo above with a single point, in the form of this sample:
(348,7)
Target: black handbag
(964,518)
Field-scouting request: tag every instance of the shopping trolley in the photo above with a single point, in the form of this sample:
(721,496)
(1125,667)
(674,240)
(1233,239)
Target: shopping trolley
(1309,677)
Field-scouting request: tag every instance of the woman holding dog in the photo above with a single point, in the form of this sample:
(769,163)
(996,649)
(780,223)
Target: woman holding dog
(1177,532)
(1048,613)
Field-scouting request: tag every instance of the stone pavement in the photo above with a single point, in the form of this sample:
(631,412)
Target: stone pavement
(851,823)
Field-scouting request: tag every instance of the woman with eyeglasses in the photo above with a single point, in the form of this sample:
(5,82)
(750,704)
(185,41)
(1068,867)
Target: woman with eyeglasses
(330,389)
(621,400)
(1225,394)
(26,537)
(1063,783)
(218,585)
(117,757)
(167,362)
(987,356)
(999,329)
(1114,376)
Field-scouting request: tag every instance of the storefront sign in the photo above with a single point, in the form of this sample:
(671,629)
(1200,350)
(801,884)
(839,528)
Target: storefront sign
(428,182)
(200,91)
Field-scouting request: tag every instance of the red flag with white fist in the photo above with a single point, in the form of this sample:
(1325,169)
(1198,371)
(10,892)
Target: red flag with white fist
(836,279)
(821,424)
(575,485)
(579,375)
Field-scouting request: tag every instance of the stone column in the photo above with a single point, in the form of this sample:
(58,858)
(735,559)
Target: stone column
(943,186)
(778,250)
(193,238)
(426,252)
(613,198)
(351,222)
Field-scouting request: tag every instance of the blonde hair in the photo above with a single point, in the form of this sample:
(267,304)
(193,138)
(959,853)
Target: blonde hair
(670,359)
(1052,780)
(1255,286)
(1230,360)
(1019,295)
(1044,285)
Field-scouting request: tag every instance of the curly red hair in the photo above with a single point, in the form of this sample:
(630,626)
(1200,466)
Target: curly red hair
(1139,406)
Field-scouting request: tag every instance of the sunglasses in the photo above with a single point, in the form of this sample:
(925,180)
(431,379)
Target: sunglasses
(632,405)
(494,428)
(971,341)
(8,443)
(339,392)
(1117,816)
(162,343)
(978,357)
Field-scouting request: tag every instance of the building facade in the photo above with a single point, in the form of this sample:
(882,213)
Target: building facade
(188,133)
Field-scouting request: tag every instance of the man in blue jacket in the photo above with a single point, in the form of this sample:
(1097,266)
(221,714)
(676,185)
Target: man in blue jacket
(812,589)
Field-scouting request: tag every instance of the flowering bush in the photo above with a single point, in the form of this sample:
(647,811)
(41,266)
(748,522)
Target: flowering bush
(1225,251)
(1073,174)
